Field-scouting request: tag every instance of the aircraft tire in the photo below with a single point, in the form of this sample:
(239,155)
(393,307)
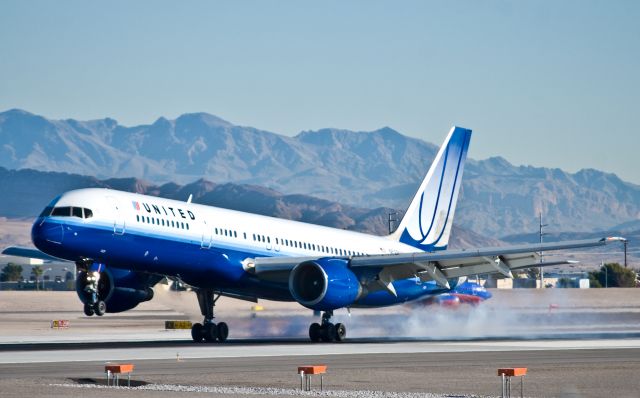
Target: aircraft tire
(328,333)
(88,310)
(100,308)
(197,332)
(341,332)
(210,332)
(223,332)
(315,332)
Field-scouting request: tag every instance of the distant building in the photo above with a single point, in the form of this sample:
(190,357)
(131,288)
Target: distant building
(55,272)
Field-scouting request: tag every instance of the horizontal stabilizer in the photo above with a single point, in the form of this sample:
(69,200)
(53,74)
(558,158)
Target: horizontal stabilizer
(29,252)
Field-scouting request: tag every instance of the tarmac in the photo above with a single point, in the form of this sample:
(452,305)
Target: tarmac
(575,343)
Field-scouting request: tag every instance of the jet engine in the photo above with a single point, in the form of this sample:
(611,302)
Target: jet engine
(121,290)
(324,284)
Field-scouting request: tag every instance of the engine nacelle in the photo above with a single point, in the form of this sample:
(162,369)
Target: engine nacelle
(121,290)
(324,284)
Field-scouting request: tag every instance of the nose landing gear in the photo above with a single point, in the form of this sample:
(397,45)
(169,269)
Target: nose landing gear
(208,330)
(327,331)
(95,305)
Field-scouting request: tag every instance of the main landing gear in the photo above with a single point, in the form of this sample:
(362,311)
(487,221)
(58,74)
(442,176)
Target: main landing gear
(327,331)
(208,330)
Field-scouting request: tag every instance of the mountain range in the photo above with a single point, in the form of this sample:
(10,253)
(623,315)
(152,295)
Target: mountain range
(27,192)
(363,170)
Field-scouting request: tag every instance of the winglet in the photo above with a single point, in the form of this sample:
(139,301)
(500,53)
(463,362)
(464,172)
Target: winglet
(614,239)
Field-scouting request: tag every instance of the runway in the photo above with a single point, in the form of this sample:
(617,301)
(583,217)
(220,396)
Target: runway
(588,345)
(591,368)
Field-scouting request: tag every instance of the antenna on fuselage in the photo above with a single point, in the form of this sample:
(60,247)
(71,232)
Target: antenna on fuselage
(190,197)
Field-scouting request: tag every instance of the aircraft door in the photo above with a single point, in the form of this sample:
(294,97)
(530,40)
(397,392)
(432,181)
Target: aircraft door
(276,246)
(118,216)
(207,236)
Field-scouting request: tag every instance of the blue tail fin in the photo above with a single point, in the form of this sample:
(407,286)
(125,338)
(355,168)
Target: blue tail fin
(427,223)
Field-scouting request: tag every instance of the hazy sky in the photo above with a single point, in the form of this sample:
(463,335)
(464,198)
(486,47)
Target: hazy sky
(550,83)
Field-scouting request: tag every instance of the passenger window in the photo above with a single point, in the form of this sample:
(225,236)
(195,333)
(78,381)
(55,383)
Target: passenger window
(245,235)
(235,234)
(268,240)
(137,218)
(187,226)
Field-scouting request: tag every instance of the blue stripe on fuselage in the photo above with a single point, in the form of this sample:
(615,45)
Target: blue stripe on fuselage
(219,267)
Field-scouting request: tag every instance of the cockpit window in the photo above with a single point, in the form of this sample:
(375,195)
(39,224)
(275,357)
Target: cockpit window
(61,211)
(67,211)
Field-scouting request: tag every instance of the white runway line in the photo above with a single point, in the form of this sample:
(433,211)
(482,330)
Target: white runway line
(204,351)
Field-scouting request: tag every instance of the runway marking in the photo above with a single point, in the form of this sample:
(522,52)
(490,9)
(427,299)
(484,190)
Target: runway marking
(205,351)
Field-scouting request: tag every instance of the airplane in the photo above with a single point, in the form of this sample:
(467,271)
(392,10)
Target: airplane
(124,243)
(465,293)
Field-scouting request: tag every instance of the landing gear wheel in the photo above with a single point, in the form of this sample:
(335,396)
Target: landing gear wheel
(314,332)
(210,332)
(328,332)
(88,310)
(197,332)
(223,332)
(341,332)
(100,308)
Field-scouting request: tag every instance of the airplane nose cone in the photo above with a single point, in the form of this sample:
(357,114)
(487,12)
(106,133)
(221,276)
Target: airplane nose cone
(46,233)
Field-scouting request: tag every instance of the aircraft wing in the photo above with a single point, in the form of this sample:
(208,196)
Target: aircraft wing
(437,266)
(29,252)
